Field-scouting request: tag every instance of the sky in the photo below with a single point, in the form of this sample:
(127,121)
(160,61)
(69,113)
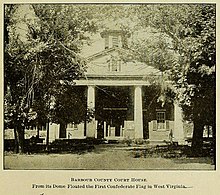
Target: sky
(96,42)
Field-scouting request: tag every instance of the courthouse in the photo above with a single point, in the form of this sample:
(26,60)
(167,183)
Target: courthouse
(119,90)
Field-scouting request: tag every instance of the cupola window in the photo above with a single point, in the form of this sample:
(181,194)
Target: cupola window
(115,37)
(115,41)
(106,42)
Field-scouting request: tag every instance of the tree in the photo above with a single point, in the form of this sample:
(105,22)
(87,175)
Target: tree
(70,107)
(13,71)
(192,31)
(37,62)
(182,46)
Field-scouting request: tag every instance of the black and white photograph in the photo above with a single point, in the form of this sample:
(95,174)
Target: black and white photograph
(106,86)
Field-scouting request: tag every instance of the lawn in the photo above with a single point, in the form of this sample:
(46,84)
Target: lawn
(111,157)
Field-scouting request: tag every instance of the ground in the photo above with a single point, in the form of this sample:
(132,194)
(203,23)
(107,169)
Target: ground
(110,157)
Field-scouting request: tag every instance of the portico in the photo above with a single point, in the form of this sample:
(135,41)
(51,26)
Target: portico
(126,111)
(92,126)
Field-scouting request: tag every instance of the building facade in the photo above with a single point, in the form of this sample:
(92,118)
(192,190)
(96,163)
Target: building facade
(125,103)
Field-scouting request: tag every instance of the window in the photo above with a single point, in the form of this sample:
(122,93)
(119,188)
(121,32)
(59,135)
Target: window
(72,126)
(114,65)
(43,127)
(114,41)
(160,120)
(75,127)
(106,42)
(207,131)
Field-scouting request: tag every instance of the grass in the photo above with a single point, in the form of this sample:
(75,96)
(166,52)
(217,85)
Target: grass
(112,157)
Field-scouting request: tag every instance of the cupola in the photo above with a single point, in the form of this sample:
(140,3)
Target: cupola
(115,37)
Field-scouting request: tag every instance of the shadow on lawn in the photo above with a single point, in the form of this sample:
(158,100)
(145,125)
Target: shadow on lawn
(179,154)
(58,146)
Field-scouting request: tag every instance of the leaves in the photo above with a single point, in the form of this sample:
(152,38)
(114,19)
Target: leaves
(44,52)
(179,40)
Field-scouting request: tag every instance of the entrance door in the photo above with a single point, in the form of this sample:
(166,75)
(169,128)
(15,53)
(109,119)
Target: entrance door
(100,129)
(117,129)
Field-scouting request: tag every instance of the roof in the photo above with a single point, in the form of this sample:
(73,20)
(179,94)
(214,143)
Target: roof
(98,65)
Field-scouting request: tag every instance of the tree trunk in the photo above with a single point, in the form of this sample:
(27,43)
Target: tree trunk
(62,130)
(197,140)
(19,138)
(214,142)
(16,148)
(85,126)
(48,134)
(38,131)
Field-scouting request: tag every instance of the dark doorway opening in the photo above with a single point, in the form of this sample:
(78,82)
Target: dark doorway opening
(111,107)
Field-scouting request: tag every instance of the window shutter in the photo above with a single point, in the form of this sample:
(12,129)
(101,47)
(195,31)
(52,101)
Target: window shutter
(154,125)
(167,125)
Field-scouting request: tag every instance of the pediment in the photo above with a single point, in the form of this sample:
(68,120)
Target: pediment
(106,53)
(99,65)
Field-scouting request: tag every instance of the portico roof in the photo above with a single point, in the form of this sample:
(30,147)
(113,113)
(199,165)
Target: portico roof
(111,82)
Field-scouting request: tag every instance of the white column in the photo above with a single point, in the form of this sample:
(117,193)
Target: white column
(109,131)
(53,131)
(178,132)
(104,129)
(91,126)
(91,97)
(121,131)
(96,130)
(138,113)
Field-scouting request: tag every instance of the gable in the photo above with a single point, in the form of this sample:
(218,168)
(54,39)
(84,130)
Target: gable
(111,63)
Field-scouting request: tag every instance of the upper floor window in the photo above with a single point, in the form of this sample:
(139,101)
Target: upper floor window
(114,65)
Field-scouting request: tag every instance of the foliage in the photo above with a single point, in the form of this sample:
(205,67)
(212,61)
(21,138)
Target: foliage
(191,27)
(192,31)
(179,40)
(37,58)
(70,105)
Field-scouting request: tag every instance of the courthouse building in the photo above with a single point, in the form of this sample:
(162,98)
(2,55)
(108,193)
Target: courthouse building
(125,102)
